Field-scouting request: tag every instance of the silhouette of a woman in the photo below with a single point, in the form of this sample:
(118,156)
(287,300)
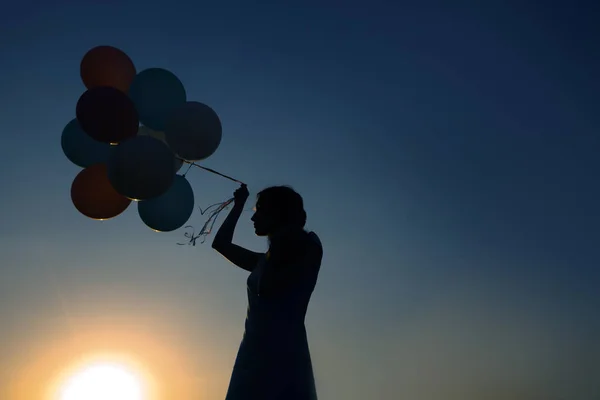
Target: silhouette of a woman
(273,361)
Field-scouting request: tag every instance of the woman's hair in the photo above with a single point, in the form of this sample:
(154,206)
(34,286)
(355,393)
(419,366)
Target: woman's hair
(284,204)
(286,207)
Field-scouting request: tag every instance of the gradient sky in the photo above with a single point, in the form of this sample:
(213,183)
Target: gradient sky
(448,158)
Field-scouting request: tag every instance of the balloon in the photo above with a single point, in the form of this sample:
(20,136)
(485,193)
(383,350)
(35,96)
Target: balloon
(107,115)
(171,210)
(141,168)
(107,66)
(145,131)
(194,131)
(80,148)
(156,92)
(93,195)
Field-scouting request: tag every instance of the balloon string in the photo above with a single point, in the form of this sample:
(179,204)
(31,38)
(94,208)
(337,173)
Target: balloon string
(193,164)
(208,225)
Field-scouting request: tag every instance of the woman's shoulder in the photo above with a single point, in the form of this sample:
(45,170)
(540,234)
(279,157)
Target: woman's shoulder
(314,242)
(314,237)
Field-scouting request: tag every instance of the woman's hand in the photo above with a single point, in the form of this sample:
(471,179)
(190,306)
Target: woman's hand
(241,195)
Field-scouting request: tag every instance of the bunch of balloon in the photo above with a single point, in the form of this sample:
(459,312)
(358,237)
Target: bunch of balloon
(131,135)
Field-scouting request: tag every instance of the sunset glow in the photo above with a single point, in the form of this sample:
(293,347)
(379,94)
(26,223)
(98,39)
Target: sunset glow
(103,381)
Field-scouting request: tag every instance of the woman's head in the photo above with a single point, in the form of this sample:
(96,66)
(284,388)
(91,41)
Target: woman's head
(277,208)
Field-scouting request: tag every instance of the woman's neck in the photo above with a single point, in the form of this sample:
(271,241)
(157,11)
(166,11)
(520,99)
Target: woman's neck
(284,232)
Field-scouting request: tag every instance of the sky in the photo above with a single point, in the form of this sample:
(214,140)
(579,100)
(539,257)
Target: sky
(448,160)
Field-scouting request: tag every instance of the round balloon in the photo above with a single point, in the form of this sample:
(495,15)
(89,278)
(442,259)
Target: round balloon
(107,115)
(80,148)
(145,131)
(107,66)
(194,131)
(141,168)
(156,92)
(171,210)
(93,195)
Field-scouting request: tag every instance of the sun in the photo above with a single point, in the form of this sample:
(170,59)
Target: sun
(103,381)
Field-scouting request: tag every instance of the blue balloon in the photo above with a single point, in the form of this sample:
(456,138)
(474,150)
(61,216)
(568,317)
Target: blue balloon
(171,210)
(156,93)
(80,148)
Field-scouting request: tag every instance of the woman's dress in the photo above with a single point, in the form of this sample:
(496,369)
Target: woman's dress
(273,361)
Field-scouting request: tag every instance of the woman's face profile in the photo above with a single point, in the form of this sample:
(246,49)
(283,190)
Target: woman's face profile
(263,223)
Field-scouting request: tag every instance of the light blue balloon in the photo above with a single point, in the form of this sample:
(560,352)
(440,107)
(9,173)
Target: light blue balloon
(156,93)
(171,210)
(80,148)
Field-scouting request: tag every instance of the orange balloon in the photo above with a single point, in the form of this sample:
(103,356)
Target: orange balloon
(93,195)
(107,66)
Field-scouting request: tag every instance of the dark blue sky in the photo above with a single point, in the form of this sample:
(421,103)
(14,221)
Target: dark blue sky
(448,157)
